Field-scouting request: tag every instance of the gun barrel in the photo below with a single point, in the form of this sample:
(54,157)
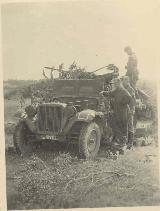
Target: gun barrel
(98,69)
(109,67)
(50,68)
(143,94)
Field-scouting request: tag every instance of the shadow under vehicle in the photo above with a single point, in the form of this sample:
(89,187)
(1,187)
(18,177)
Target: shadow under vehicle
(73,112)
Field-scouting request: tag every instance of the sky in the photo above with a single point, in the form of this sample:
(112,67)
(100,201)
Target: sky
(92,33)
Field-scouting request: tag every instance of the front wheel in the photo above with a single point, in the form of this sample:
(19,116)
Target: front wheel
(21,139)
(89,140)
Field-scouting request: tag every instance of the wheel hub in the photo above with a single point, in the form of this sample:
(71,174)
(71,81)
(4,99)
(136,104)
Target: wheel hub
(91,144)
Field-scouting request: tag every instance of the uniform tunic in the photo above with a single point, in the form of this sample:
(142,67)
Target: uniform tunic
(119,120)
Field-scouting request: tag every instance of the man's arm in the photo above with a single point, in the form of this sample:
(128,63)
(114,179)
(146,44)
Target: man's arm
(125,97)
(107,93)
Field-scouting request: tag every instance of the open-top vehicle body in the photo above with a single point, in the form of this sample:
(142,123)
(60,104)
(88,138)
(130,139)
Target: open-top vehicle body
(72,112)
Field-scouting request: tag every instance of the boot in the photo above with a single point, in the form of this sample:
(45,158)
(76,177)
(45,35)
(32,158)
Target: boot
(122,145)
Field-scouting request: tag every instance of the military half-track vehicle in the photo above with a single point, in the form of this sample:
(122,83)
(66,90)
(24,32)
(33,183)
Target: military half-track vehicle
(75,112)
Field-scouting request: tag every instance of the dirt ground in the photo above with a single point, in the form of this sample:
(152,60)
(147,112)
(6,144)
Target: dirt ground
(138,185)
(141,189)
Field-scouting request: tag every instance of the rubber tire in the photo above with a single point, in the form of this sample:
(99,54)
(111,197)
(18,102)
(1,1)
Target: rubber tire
(22,146)
(83,138)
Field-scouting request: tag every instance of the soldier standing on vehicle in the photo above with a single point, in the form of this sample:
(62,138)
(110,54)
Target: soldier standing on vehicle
(131,67)
(131,111)
(119,121)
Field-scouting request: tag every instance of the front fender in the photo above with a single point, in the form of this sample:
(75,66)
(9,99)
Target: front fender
(31,125)
(85,116)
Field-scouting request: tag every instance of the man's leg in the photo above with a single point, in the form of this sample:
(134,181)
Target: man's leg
(130,131)
(120,128)
(123,128)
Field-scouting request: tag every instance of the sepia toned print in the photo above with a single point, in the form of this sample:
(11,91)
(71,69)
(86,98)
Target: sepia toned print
(80,104)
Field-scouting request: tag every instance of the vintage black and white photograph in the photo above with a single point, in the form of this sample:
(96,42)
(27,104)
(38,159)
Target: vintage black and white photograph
(80,103)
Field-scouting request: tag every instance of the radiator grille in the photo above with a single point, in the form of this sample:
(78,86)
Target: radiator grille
(50,119)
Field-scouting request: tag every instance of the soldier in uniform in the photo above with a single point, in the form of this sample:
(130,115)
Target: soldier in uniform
(131,111)
(119,121)
(131,67)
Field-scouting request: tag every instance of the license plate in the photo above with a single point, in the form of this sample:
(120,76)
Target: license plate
(49,137)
